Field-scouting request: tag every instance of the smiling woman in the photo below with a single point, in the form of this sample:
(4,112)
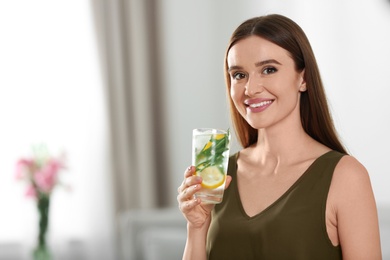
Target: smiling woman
(292,185)
(49,73)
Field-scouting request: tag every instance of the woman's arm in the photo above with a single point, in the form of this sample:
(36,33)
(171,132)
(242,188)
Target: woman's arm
(198,215)
(354,203)
(196,242)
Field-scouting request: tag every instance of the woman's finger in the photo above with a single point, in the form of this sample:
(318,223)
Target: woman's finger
(188,193)
(189,205)
(189,179)
(228,181)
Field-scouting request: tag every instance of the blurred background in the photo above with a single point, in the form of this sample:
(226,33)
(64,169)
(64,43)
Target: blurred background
(120,84)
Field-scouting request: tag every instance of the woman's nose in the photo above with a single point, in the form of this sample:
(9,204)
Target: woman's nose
(253,86)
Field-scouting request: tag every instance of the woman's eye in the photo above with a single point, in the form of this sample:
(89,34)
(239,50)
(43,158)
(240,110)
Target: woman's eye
(238,75)
(269,70)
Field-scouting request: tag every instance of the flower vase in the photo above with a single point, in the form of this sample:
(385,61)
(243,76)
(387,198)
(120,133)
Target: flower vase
(41,252)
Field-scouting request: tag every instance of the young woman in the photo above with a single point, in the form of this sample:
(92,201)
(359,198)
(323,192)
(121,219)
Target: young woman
(292,192)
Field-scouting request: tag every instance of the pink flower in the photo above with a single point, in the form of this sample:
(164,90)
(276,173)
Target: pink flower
(46,177)
(23,167)
(31,192)
(40,171)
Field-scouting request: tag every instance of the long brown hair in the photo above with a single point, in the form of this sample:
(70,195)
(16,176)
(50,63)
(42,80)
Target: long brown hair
(315,116)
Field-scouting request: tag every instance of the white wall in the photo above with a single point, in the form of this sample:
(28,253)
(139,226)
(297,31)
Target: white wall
(51,92)
(350,39)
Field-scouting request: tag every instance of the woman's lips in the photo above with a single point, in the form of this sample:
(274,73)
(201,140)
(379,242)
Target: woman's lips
(258,104)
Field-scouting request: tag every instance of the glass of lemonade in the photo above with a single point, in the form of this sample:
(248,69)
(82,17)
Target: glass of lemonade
(210,156)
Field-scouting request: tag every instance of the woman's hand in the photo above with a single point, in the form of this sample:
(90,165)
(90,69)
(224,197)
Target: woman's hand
(196,213)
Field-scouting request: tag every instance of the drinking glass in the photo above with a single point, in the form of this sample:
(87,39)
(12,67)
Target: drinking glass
(210,156)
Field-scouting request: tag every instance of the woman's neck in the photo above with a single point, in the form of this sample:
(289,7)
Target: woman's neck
(283,144)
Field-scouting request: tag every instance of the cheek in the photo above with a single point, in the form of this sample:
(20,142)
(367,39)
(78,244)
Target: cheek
(237,96)
(234,94)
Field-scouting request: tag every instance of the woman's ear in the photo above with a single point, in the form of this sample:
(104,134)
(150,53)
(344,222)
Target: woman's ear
(302,87)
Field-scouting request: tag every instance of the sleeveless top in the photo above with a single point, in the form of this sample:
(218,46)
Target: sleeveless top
(292,227)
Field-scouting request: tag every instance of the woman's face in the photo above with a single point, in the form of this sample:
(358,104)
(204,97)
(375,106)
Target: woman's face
(265,86)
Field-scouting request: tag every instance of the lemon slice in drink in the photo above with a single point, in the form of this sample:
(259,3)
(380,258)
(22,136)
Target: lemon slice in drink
(212,177)
(219,136)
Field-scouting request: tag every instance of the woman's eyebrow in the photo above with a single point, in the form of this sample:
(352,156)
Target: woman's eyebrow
(257,64)
(234,68)
(261,63)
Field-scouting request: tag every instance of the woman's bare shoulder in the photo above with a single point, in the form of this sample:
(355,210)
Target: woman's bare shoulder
(350,177)
(350,190)
(350,169)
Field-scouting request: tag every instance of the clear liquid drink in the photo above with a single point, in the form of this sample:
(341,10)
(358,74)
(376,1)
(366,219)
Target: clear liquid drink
(210,156)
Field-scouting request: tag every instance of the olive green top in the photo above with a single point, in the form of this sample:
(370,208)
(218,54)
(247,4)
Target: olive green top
(293,227)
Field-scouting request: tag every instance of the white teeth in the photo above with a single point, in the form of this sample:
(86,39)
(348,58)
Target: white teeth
(263,103)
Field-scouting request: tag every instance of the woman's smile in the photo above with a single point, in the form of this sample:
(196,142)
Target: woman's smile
(256,105)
